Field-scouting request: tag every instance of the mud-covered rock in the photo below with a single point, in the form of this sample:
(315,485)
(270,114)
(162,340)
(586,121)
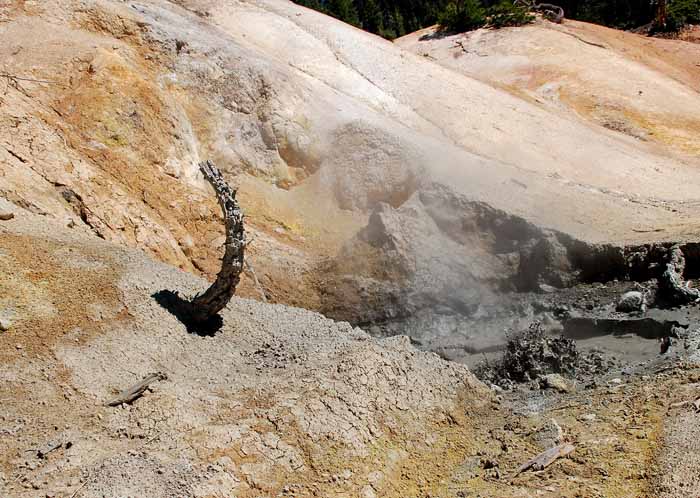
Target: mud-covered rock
(529,355)
(631,302)
(545,261)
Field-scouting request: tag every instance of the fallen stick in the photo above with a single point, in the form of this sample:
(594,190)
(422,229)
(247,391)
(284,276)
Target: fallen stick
(696,404)
(19,78)
(134,392)
(546,458)
(75,493)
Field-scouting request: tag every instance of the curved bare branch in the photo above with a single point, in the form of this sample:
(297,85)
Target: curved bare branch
(216,297)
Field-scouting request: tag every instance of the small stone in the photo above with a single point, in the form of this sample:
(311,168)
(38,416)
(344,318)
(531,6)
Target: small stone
(5,324)
(547,289)
(632,301)
(550,434)
(18,346)
(556,381)
(5,216)
(588,417)
(616,380)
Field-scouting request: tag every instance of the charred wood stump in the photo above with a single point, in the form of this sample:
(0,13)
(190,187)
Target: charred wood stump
(200,314)
(217,296)
(553,13)
(676,288)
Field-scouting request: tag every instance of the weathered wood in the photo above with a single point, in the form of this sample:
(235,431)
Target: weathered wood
(549,11)
(672,282)
(216,297)
(546,458)
(136,391)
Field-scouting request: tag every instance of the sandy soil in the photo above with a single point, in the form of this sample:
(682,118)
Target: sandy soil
(282,401)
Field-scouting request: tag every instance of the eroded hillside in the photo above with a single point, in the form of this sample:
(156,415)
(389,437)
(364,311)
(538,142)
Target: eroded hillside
(447,191)
(284,402)
(109,106)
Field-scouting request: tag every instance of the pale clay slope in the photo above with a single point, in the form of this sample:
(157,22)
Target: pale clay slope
(644,87)
(280,95)
(328,76)
(276,398)
(280,395)
(486,121)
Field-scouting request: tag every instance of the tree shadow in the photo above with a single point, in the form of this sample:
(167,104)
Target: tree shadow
(181,309)
(437,35)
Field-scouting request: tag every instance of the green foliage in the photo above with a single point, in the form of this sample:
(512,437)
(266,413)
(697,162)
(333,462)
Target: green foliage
(372,18)
(344,10)
(394,18)
(467,15)
(505,14)
(462,15)
(682,13)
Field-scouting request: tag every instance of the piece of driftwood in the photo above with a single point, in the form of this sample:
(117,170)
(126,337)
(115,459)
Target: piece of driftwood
(136,391)
(672,283)
(216,297)
(549,11)
(546,458)
(75,493)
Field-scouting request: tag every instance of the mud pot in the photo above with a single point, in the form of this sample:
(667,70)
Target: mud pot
(458,276)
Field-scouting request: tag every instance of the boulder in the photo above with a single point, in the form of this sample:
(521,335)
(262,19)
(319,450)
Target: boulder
(632,302)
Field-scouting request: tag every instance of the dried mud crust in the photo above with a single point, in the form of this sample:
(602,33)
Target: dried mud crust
(281,399)
(44,293)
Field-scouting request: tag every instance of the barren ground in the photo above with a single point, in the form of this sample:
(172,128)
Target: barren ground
(426,188)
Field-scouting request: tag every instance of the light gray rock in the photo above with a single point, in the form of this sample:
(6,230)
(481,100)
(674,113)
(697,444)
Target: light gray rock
(631,302)
(557,382)
(549,434)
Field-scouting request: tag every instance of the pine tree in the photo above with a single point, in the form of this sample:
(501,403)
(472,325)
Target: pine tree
(344,10)
(372,17)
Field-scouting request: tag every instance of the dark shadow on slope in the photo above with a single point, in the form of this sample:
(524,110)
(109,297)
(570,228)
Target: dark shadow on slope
(437,35)
(181,309)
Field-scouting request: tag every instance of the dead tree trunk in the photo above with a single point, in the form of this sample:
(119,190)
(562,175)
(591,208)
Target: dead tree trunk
(672,282)
(661,14)
(216,297)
